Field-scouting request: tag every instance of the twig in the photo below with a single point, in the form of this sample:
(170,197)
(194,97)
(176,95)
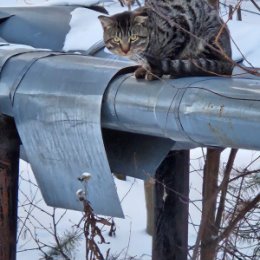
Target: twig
(249,206)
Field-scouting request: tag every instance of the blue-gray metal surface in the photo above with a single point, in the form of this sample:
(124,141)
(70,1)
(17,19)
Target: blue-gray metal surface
(57,110)
(208,111)
(36,26)
(135,155)
(57,113)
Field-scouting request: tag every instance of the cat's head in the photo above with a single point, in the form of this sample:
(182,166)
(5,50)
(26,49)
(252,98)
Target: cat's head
(126,33)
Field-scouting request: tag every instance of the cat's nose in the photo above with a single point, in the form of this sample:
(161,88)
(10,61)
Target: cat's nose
(125,48)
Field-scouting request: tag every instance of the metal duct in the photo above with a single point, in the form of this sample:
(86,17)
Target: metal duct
(203,111)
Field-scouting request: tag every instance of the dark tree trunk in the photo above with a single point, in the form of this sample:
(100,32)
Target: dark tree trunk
(9,168)
(170,241)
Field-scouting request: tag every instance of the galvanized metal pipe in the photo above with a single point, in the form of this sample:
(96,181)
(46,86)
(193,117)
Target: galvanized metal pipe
(210,111)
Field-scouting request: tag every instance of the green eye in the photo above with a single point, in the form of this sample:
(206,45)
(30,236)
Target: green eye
(116,39)
(133,37)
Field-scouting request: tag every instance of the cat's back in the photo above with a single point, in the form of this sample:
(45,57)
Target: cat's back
(187,24)
(197,13)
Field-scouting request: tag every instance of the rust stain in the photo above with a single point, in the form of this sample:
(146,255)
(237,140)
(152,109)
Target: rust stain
(220,135)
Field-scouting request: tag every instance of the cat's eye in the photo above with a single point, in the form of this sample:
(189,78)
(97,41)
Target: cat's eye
(116,39)
(133,37)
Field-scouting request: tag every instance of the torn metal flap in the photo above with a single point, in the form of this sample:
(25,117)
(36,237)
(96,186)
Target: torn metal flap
(57,109)
(134,154)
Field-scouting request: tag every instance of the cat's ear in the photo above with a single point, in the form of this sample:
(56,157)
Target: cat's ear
(140,15)
(140,19)
(106,21)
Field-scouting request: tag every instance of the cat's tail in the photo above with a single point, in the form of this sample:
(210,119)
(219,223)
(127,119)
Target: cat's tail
(196,67)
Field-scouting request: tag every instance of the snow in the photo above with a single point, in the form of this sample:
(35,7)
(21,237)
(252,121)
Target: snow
(81,194)
(75,2)
(85,30)
(131,238)
(46,2)
(85,176)
(245,39)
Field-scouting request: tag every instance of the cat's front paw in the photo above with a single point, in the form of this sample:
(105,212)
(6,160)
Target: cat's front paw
(153,75)
(143,73)
(140,73)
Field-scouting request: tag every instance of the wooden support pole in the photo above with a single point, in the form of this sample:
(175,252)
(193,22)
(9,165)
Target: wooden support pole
(9,168)
(170,240)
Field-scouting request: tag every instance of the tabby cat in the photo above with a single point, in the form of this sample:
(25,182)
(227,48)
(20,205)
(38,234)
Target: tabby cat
(171,37)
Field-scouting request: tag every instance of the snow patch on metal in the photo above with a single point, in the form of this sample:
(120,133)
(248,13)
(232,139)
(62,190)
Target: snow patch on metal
(85,30)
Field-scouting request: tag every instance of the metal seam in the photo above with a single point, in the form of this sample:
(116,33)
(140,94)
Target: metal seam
(25,70)
(22,74)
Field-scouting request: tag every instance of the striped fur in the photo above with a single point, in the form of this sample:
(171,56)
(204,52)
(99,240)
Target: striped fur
(175,37)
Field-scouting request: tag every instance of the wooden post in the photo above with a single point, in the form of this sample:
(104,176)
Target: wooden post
(170,240)
(9,168)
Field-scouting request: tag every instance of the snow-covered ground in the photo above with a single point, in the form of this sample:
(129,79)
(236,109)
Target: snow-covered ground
(131,238)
